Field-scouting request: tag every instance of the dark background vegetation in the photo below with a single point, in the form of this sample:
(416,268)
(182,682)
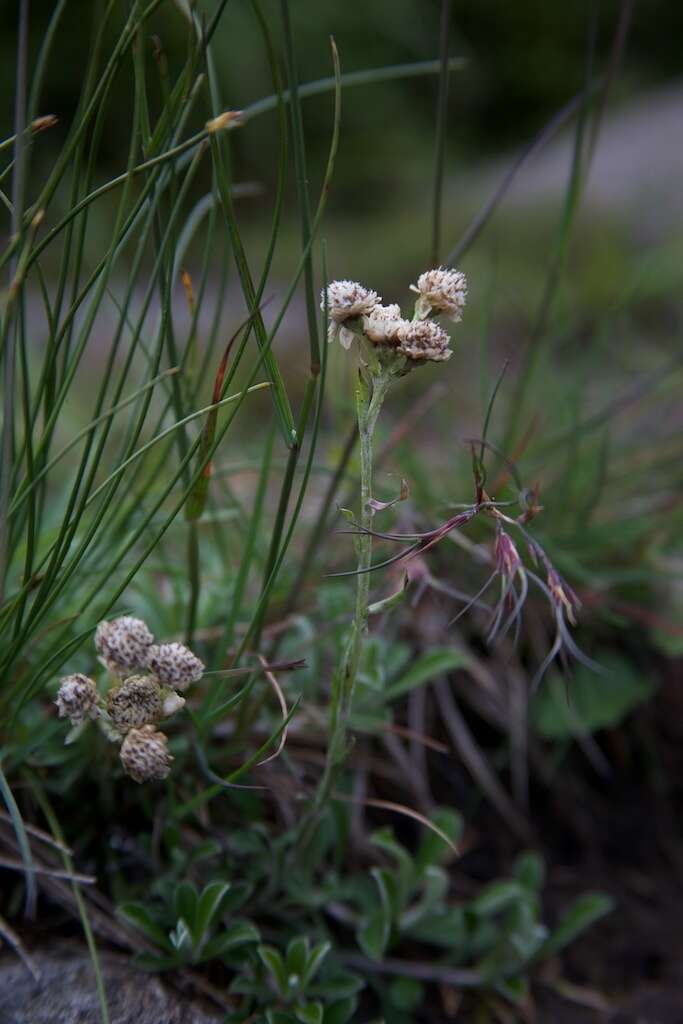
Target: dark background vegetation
(524,61)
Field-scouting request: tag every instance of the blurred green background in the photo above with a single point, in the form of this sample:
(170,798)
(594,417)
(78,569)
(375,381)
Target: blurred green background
(524,61)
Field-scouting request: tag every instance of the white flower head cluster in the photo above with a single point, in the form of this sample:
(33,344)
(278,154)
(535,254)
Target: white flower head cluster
(144,754)
(423,340)
(77,699)
(346,300)
(122,644)
(355,311)
(145,678)
(135,703)
(383,324)
(174,665)
(440,291)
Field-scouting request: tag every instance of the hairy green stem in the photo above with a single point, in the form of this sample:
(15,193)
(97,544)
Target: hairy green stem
(371,390)
(370,395)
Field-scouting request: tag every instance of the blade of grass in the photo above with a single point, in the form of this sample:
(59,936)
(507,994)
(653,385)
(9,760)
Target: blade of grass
(279,392)
(297,129)
(55,827)
(440,135)
(23,843)
(268,584)
(370,76)
(18,191)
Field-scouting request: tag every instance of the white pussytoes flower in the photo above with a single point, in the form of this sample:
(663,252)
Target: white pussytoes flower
(345,301)
(383,323)
(136,702)
(423,340)
(77,698)
(122,643)
(174,665)
(144,754)
(441,291)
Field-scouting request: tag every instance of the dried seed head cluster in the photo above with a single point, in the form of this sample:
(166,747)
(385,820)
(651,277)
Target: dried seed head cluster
(77,699)
(506,555)
(423,339)
(441,291)
(174,665)
(122,644)
(356,312)
(383,323)
(144,754)
(509,570)
(136,702)
(346,300)
(142,693)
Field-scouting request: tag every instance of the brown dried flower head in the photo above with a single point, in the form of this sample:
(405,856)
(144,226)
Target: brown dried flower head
(123,643)
(441,291)
(77,698)
(424,340)
(136,702)
(174,665)
(144,754)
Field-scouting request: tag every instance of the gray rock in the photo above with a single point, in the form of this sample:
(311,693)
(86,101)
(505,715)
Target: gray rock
(635,174)
(66,992)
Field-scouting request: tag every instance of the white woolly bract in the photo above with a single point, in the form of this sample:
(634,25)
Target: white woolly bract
(172,702)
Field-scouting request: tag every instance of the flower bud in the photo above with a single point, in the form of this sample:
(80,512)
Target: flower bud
(136,702)
(123,643)
(174,665)
(77,698)
(144,754)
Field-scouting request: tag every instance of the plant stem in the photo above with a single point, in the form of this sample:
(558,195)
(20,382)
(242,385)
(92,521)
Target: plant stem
(371,391)
(193,571)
